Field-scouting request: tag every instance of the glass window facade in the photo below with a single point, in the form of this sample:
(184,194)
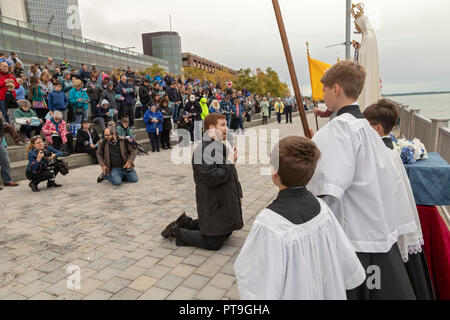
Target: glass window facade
(34,45)
(39,12)
(168,47)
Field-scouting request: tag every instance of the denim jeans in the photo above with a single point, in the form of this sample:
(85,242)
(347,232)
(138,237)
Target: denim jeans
(4,163)
(4,110)
(175,111)
(118,175)
(81,117)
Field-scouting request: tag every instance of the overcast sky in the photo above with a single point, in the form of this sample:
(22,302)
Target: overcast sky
(413,35)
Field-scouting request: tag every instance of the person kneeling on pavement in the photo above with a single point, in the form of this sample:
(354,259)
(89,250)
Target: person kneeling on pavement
(218,192)
(39,164)
(116,157)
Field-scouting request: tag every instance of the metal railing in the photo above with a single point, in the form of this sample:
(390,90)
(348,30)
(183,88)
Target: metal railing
(37,44)
(444,143)
(433,133)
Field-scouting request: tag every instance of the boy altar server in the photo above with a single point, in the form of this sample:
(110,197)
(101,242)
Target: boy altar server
(383,117)
(358,178)
(296,249)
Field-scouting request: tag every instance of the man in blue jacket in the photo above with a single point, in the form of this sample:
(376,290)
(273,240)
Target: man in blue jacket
(84,74)
(126,89)
(57,101)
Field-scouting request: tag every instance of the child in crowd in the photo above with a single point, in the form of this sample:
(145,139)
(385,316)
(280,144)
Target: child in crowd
(27,120)
(37,96)
(10,100)
(383,117)
(58,101)
(296,249)
(359,180)
(123,129)
(20,93)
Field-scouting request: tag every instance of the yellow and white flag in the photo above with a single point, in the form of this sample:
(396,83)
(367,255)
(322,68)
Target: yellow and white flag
(317,69)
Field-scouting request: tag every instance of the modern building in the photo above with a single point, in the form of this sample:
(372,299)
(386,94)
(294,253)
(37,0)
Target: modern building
(34,44)
(194,61)
(60,16)
(13,9)
(166,46)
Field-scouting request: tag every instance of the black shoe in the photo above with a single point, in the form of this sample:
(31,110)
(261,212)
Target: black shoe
(169,147)
(53,184)
(170,231)
(34,187)
(164,148)
(100,178)
(159,150)
(181,219)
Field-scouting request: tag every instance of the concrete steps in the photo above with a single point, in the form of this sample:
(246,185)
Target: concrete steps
(18,155)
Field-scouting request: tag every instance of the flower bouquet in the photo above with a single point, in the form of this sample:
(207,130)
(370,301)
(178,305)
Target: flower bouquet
(410,150)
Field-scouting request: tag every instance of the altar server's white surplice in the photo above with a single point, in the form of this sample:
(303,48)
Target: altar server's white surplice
(369,195)
(310,261)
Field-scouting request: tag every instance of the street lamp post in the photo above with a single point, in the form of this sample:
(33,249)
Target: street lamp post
(50,21)
(348,29)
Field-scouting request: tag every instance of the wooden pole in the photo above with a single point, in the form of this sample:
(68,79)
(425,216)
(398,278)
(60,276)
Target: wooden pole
(290,62)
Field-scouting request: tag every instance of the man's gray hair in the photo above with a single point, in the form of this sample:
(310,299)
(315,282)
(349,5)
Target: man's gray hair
(112,130)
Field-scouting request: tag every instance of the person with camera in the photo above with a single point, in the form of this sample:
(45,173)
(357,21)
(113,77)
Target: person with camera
(116,157)
(39,165)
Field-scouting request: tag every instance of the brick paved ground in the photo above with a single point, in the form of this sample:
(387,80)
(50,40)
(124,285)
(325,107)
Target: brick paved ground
(113,235)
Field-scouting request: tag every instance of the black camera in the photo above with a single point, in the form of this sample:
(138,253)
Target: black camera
(47,154)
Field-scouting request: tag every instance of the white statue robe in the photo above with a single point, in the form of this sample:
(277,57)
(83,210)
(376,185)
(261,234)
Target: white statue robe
(368,58)
(368,193)
(310,261)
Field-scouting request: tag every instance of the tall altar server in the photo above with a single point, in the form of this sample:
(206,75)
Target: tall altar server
(359,180)
(296,249)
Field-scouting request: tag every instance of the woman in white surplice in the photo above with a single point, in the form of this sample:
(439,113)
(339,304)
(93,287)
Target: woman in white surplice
(368,58)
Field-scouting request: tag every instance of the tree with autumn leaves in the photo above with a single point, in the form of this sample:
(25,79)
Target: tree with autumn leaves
(261,82)
(258,82)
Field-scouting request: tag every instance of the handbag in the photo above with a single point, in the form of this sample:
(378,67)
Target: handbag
(39,105)
(79,110)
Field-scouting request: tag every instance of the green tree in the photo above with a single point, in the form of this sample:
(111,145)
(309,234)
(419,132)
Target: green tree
(153,70)
(261,82)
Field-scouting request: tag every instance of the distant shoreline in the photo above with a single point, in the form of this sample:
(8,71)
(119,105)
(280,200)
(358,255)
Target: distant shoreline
(414,94)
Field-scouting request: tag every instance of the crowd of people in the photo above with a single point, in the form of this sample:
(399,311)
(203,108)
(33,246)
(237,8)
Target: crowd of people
(59,103)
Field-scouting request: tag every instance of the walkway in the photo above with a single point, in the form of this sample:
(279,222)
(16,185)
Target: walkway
(113,235)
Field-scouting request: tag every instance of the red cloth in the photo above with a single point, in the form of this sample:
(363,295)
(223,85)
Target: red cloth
(324,114)
(3,89)
(437,249)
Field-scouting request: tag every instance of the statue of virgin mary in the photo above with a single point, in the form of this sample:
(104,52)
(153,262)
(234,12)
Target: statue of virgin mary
(367,56)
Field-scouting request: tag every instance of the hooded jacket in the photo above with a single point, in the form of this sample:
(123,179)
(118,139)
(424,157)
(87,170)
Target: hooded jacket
(194,107)
(152,126)
(205,109)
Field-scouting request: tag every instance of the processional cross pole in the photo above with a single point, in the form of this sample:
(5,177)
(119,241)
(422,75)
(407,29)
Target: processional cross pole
(290,62)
